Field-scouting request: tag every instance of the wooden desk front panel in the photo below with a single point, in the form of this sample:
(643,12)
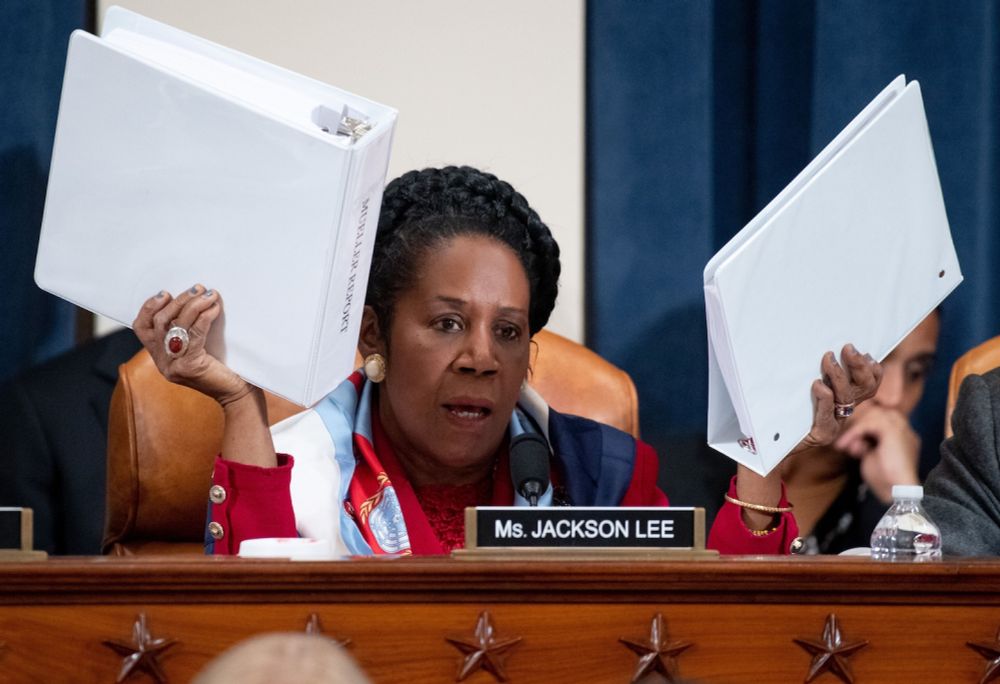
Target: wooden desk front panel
(567,643)
(741,617)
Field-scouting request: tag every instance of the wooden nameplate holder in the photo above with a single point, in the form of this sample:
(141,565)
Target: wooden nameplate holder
(584,533)
(16,534)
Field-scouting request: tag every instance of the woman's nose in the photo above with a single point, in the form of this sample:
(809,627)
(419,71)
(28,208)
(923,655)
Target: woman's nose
(890,391)
(478,354)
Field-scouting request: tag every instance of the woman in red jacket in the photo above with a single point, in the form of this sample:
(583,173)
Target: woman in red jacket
(463,274)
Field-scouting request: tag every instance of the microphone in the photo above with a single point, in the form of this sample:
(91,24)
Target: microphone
(529,466)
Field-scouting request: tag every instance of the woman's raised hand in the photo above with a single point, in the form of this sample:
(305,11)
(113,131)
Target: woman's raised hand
(843,386)
(186,362)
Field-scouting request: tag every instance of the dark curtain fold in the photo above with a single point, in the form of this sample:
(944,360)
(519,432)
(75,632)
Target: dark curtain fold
(700,112)
(33,39)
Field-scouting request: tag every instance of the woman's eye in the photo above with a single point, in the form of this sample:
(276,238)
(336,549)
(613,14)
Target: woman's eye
(508,333)
(448,324)
(917,372)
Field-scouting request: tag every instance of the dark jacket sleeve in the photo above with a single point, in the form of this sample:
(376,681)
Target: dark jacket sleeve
(962,493)
(53,442)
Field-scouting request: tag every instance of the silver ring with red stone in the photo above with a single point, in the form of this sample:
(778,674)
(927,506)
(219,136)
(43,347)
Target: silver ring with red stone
(175,342)
(843,410)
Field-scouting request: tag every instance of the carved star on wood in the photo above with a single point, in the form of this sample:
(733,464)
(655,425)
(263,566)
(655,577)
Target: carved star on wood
(831,654)
(656,654)
(483,651)
(315,627)
(990,651)
(142,654)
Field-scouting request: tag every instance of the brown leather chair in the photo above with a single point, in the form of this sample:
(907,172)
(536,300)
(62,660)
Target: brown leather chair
(976,361)
(163,439)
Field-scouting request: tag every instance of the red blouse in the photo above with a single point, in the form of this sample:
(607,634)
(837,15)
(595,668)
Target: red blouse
(444,506)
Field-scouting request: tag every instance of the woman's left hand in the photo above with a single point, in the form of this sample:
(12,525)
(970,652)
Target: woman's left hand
(843,386)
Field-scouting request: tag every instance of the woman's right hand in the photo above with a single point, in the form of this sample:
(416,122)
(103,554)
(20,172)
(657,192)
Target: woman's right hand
(246,438)
(194,310)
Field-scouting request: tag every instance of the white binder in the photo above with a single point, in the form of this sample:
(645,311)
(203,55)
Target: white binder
(856,249)
(177,161)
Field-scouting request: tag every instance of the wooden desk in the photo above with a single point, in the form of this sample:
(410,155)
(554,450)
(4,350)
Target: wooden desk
(740,616)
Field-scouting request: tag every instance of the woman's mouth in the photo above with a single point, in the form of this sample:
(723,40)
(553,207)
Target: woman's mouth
(467,412)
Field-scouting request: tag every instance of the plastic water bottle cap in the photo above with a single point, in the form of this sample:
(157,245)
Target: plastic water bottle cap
(907,492)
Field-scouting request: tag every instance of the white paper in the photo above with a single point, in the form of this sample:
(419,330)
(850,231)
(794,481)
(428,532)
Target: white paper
(179,161)
(856,249)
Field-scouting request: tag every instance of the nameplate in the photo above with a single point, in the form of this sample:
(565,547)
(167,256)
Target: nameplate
(571,527)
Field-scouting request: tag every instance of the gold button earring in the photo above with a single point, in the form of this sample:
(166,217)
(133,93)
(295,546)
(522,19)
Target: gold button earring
(375,367)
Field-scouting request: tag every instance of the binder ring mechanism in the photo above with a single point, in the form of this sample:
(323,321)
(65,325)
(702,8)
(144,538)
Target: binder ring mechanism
(347,122)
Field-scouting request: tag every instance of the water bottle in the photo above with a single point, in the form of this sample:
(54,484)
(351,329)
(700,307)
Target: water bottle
(905,533)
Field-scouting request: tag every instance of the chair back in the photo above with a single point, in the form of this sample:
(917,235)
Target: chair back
(163,440)
(976,361)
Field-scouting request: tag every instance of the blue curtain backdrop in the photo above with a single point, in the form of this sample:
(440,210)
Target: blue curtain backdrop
(33,40)
(700,112)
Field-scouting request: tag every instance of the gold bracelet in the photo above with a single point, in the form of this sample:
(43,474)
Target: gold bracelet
(759,508)
(775,524)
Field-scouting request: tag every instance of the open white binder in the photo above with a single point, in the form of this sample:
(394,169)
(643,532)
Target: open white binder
(855,249)
(178,161)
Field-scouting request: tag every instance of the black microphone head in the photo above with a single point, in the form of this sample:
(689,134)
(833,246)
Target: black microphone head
(529,465)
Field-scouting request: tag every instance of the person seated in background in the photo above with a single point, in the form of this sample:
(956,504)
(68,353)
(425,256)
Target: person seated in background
(283,658)
(463,274)
(54,441)
(841,490)
(962,493)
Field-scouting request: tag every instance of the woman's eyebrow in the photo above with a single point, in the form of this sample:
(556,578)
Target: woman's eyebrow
(461,303)
(454,301)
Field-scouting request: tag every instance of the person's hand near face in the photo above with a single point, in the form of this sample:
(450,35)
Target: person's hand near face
(887,446)
(880,434)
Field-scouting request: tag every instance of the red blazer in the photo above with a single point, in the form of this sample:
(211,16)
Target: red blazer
(257,503)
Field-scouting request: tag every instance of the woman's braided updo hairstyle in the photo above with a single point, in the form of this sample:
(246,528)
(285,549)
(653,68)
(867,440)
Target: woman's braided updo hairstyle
(422,209)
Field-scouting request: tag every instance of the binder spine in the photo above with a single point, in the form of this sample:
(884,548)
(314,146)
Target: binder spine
(723,348)
(338,228)
(339,323)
